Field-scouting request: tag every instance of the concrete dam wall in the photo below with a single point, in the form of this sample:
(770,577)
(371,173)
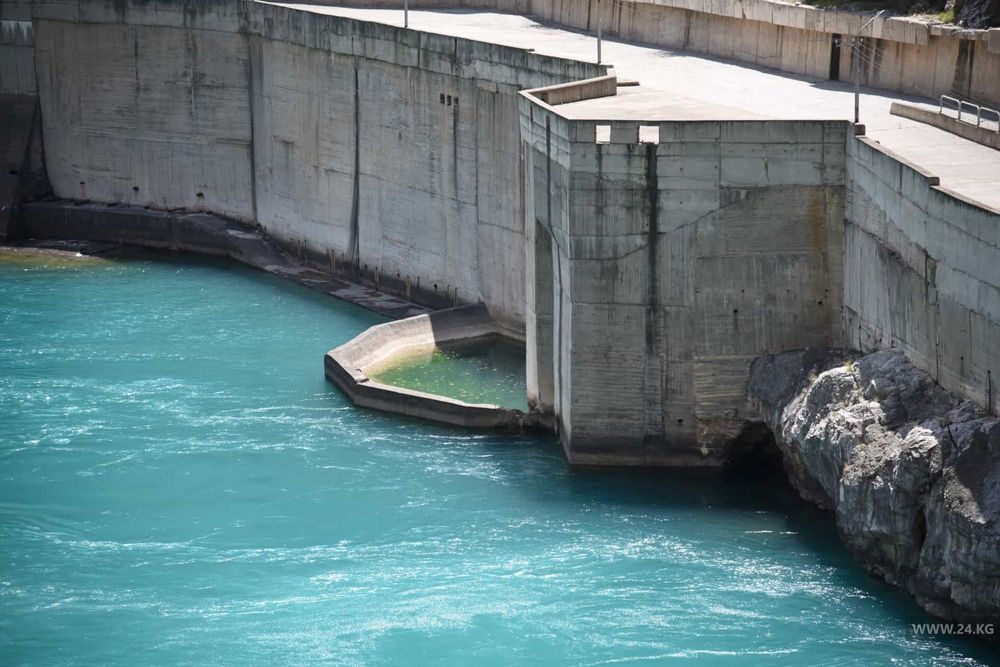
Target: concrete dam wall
(359,144)
(646,263)
(922,273)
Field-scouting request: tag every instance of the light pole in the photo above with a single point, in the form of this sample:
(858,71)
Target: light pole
(599,21)
(406,13)
(856,53)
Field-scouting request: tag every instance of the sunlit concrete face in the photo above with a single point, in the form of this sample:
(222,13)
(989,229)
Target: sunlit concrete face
(680,252)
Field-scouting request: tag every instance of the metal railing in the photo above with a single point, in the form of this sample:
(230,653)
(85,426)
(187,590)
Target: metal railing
(975,111)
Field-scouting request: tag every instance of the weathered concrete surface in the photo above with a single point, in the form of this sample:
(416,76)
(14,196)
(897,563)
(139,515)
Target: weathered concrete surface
(199,233)
(339,137)
(350,365)
(911,471)
(146,115)
(22,168)
(922,273)
(17,50)
(660,270)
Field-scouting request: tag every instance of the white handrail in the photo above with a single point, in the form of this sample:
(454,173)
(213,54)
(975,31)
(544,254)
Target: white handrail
(960,105)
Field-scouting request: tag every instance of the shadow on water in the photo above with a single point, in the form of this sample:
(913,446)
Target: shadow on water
(757,488)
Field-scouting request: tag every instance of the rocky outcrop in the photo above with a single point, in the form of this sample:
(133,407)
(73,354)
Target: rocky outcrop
(911,471)
(978,13)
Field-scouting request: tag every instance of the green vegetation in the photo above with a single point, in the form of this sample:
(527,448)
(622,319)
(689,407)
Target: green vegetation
(931,9)
(947,16)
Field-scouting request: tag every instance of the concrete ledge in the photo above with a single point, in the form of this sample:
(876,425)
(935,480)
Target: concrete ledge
(968,201)
(199,233)
(933,182)
(930,178)
(349,365)
(575,91)
(971,132)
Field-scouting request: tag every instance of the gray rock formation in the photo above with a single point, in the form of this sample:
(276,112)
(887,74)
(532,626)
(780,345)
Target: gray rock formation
(978,13)
(911,471)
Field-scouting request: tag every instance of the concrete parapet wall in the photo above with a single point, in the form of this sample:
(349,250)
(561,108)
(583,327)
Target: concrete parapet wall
(575,91)
(902,54)
(922,273)
(981,135)
(349,365)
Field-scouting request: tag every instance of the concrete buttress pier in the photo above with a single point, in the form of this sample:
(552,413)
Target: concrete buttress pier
(663,258)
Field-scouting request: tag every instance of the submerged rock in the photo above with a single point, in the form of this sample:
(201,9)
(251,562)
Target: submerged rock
(911,471)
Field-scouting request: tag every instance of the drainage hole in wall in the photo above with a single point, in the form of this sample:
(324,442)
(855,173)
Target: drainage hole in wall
(199,195)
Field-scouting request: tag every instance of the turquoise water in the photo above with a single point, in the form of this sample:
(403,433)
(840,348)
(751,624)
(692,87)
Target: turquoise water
(478,372)
(179,485)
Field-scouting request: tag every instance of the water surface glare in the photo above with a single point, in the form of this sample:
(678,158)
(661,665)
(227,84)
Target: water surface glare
(180,485)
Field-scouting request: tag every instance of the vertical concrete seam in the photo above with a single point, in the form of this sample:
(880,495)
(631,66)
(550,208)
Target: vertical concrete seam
(252,45)
(652,355)
(557,398)
(355,240)
(475,192)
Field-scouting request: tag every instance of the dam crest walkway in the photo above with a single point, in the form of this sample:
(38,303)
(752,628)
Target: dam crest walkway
(677,85)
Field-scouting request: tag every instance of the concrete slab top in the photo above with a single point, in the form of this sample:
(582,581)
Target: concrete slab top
(676,85)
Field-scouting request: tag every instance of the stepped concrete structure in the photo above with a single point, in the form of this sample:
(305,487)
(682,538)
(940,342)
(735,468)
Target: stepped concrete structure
(646,241)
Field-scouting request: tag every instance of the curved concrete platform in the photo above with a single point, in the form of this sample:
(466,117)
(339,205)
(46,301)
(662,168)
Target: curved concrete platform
(349,366)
